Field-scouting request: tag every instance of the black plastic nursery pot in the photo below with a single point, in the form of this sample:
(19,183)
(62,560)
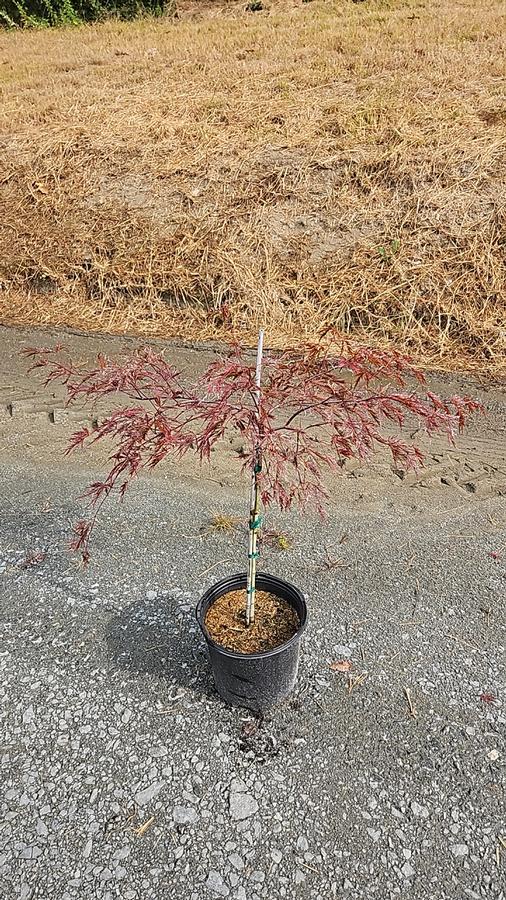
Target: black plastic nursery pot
(254,680)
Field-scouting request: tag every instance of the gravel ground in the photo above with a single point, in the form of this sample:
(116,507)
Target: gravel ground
(125,776)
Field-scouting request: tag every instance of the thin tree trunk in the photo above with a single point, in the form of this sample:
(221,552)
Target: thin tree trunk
(254,518)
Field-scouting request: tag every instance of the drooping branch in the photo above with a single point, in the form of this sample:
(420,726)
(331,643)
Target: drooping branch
(317,408)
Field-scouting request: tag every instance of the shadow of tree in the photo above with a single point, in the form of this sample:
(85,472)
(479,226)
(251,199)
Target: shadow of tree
(161,637)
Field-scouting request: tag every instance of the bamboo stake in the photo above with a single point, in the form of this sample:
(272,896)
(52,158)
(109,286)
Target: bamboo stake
(254,519)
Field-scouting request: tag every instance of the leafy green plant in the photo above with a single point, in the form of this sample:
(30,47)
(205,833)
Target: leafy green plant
(45,13)
(388,253)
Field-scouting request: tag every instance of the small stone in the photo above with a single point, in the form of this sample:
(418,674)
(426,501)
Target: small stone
(242,806)
(419,810)
(237,785)
(216,884)
(459,850)
(87,848)
(120,872)
(30,853)
(302,844)
(276,856)
(41,828)
(408,870)
(184,815)
(240,893)
(493,755)
(374,835)
(149,793)
(158,752)
(299,877)
(28,715)
(151,595)
(258,876)
(236,861)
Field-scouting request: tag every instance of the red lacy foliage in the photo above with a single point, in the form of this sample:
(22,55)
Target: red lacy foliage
(317,409)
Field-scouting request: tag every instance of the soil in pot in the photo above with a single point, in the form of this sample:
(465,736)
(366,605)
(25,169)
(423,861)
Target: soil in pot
(275,622)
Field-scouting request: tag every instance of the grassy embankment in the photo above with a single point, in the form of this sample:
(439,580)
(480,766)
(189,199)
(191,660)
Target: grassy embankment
(311,164)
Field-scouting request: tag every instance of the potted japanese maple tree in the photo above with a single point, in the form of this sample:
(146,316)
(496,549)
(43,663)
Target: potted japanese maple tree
(299,413)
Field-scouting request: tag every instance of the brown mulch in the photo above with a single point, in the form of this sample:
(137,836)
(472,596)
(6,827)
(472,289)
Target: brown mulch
(275,622)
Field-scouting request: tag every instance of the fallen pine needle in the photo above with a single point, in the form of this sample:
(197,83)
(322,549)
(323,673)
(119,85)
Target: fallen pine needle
(502,841)
(412,709)
(220,561)
(144,827)
(472,644)
(311,868)
(355,681)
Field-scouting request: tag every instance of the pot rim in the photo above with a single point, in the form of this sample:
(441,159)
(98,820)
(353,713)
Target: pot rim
(232,654)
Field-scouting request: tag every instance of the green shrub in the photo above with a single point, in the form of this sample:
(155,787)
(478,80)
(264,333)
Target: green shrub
(44,13)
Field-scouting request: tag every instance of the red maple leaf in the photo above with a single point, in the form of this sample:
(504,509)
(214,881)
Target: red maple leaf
(340,665)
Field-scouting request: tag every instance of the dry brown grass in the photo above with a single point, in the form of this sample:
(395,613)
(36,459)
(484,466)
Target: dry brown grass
(312,164)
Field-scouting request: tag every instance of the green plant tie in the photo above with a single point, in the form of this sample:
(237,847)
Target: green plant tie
(258,468)
(255,523)
(254,555)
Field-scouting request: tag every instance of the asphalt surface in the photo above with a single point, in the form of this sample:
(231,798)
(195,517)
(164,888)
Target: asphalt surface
(125,776)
